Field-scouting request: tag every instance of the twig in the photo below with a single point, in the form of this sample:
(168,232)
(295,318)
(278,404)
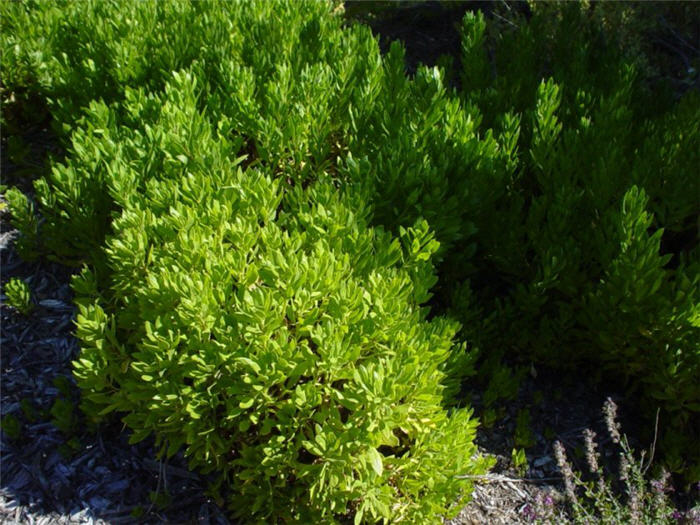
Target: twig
(499,478)
(160,478)
(653,443)
(506,20)
(170,470)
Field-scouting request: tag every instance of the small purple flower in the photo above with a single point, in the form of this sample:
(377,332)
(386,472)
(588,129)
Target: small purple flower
(529,513)
(658,486)
(677,515)
(548,500)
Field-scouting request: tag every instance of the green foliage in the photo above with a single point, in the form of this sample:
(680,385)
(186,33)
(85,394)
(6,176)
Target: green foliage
(503,384)
(489,417)
(589,253)
(270,332)
(70,448)
(250,316)
(415,146)
(265,204)
(160,499)
(476,70)
(518,459)
(24,219)
(19,296)
(73,51)
(11,426)
(524,438)
(64,416)
(281,76)
(17,149)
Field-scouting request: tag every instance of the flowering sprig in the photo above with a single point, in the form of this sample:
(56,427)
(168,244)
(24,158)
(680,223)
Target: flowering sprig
(642,502)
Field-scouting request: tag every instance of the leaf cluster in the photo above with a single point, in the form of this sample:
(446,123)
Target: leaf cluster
(18,295)
(589,257)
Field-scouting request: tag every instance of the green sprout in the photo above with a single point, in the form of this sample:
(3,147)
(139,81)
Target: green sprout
(19,295)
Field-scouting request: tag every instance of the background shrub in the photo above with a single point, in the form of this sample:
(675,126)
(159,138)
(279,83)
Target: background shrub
(590,255)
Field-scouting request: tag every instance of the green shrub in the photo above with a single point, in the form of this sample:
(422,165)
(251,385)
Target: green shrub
(533,185)
(417,145)
(74,52)
(560,184)
(305,94)
(283,347)
(282,76)
(590,255)
(249,316)
(19,296)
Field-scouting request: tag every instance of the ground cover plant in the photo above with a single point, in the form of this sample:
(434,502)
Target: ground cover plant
(283,233)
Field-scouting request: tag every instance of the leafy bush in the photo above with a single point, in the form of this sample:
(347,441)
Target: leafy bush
(285,77)
(23,218)
(284,350)
(250,316)
(589,253)
(417,146)
(564,192)
(75,52)
(559,185)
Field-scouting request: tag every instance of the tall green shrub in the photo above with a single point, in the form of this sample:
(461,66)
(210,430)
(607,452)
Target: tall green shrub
(590,255)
